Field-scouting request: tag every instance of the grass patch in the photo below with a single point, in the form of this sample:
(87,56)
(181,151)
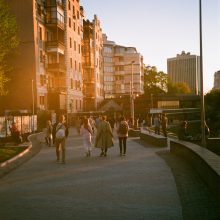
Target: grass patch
(7,153)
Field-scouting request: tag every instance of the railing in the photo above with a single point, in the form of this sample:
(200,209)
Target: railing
(56,43)
(50,3)
(55,21)
(56,66)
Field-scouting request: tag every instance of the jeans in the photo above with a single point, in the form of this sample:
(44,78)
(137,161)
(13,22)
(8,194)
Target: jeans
(122,144)
(60,146)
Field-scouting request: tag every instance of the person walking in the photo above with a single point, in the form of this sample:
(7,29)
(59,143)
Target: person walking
(104,136)
(86,132)
(157,124)
(164,124)
(122,131)
(61,135)
(49,131)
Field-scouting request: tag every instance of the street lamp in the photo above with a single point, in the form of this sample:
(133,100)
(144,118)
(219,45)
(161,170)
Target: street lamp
(32,92)
(201,77)
(132,93)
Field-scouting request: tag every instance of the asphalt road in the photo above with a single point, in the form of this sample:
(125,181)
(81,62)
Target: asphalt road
(137,186)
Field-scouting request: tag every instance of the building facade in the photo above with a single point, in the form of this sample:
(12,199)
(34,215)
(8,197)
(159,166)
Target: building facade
(123,66)
(217,80)
(92,64)
(185,68)
(48,66)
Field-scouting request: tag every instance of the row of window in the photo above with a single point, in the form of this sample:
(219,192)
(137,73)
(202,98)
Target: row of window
(75,65)
(74,26)
(75,12)
(74,45)
(75,84)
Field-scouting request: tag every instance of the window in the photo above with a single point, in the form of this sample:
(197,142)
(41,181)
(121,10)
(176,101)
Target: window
(41,80)
(75,65)
(41,56)
(70,22)
(69,5)
(75,45)
(107,49)
(42,100)
(71,63)
(70,42)
(79,67)
(71,83)
(74,13)
(79,48)
(40,33)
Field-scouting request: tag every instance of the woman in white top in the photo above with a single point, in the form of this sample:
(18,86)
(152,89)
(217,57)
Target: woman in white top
(86,132)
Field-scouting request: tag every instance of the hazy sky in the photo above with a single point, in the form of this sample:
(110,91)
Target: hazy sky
(160,29)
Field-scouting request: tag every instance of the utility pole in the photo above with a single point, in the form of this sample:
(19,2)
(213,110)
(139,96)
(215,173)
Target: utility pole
(201,77)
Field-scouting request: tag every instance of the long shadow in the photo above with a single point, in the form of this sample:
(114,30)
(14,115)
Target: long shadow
(197,200)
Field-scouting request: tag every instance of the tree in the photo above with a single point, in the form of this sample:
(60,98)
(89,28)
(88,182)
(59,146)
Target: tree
(180,87)
(154,82)
(8,42)
(212,100)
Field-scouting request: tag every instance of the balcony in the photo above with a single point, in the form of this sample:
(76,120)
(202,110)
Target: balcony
(52,3)
(55,46)
(56,67)
(55,23)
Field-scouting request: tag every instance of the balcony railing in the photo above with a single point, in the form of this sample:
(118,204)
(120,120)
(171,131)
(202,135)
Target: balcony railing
(55,22)
(56,67)
(52,3)
(55,44)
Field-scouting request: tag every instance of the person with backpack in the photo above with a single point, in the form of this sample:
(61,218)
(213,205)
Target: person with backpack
(61,135)
(122,131)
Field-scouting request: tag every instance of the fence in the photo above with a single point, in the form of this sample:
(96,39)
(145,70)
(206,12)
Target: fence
(25,124)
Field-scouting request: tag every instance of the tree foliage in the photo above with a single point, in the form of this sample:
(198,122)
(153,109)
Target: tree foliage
(180,88)
(154,82)
(8,42)
(212,100)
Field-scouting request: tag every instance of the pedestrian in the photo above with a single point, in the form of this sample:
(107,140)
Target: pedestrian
(104,136)
(78,124)
(183,133)
(61,135)
(122,131)
(112,122)
(92,123)
(15,133)
(54,132)
(164,124)
(49,131)
(86,132)
(157,124)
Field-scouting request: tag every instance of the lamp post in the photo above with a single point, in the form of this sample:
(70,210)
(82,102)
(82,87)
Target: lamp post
(32,91)
(132,93)
(201,77)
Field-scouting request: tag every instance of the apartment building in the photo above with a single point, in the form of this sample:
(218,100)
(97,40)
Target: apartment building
(185,67)
(92,64)
(217,80)
(123,66)
(48,66)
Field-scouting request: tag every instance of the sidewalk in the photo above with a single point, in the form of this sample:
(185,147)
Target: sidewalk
(138,186)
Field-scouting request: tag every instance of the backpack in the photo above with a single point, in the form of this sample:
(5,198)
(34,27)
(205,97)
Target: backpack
(60,132)
(123,128)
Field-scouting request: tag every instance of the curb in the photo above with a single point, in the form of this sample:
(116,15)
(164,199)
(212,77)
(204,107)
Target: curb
(34,147)
(16,157)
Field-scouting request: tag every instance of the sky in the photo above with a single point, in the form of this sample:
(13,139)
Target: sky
(161,29)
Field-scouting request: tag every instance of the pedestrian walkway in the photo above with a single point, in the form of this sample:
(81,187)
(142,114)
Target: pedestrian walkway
(137,186)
